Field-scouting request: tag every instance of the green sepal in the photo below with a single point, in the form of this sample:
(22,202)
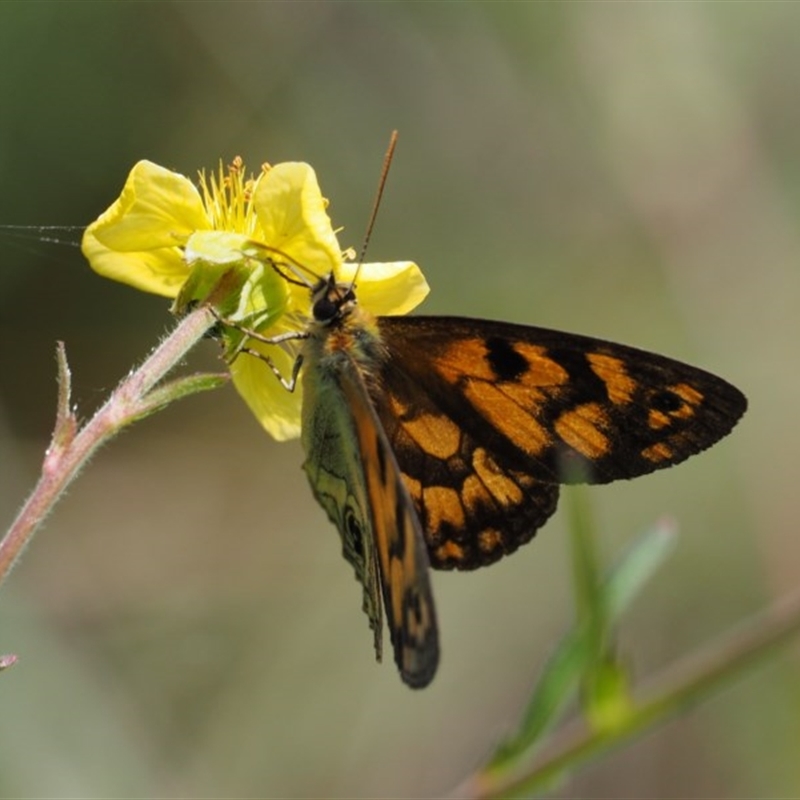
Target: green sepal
(236,277)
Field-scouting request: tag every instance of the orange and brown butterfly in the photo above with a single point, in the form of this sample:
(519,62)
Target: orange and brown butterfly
(441,441)
(430,441)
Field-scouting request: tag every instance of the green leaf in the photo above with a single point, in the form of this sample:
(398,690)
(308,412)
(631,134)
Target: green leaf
(679,688)
(566,667)
(639,564)
(177,389)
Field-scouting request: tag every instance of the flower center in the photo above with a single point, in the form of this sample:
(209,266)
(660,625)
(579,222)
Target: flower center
(228,197)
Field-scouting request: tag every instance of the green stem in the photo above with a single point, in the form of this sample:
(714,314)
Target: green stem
(71,448)
(677,689)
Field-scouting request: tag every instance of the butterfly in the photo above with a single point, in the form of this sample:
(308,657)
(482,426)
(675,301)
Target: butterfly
(440,442)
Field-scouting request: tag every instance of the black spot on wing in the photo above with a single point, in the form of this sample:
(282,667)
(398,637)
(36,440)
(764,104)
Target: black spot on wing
(355,534)
(666,401)
(506,363)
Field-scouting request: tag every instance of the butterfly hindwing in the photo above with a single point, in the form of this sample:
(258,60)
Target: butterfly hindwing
(473,510)
(335,471)
(355,476)
(402,554)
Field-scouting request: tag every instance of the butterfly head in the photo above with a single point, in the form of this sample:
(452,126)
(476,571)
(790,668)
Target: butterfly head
(332,301)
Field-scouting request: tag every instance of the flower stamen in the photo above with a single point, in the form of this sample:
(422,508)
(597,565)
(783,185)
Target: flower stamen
(228,197)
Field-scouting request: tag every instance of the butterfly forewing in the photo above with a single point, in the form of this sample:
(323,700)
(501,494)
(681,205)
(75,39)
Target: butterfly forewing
(541,399)
(402,553)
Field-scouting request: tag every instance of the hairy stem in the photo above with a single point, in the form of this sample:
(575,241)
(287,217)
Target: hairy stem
(71,447)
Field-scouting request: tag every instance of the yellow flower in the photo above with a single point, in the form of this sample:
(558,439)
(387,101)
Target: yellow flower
(241,243)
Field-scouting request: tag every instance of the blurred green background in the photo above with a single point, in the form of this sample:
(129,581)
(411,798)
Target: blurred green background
(185,622)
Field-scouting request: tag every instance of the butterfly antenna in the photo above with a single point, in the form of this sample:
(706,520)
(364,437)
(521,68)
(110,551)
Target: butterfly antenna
(387,162)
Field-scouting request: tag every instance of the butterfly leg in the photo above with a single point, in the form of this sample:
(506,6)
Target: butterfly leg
(249,333)
(287,384)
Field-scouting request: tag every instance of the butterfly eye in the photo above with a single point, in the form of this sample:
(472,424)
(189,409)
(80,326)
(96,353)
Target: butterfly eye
(324,309)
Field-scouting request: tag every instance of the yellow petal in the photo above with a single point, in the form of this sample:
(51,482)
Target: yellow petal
(158,271)
(277,409)
(157,208)
(136,239)
(391,288)
(291,212)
